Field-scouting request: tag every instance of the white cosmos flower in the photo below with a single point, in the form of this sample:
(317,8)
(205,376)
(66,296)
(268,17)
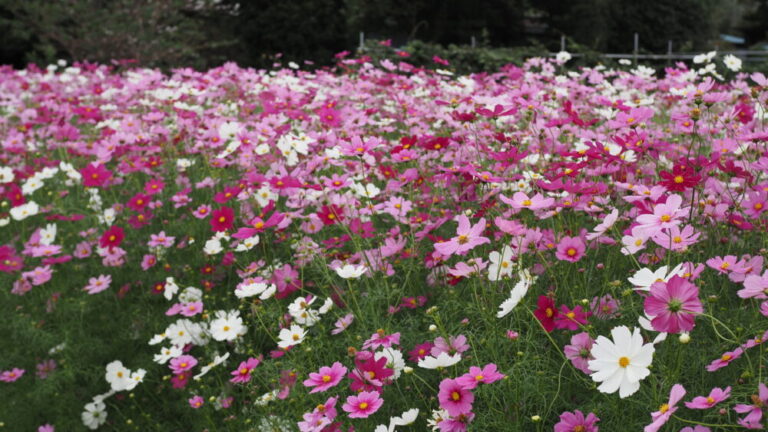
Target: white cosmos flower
(180,332)
(228,326)
(167,353)
(213,247)
(350,271)
(6,175)
(732,62)
(247,244)
(292,336)
(621,363)
(395,360)
(443,360)
(24,211)
(500,264)
(136,378)
(644,278)
(516,295)
(252,289)
(170,288)
(48,234)
(118,376)
(217,360)
(95,415)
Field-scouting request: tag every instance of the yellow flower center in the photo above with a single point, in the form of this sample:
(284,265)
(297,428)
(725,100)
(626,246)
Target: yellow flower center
(527,202)
(679,179)
(624,361)
(726,357)
(710,400)
(455,396)
(363,405)
(571,252)
(326,378)
(666,218)
(664,408)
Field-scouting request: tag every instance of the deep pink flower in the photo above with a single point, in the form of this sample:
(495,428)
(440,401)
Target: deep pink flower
(243,372)
(326,377)
(420,351)
(112,237)
(369,373)
(546,313)
(673,305)
(570,249)
(666,410)
(45,367)
(716,396)
(578,352)
(571,319)
(222,219)
(488,374)
(95,175)
(363,405)
(455,398)
(576,422)
(467,237)
(381,340)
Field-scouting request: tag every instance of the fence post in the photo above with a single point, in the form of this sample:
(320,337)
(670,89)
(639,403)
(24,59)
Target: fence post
(362,42)
(637,48)
(562,43)
(669,53)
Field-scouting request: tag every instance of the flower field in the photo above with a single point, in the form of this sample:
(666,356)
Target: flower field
(383,247)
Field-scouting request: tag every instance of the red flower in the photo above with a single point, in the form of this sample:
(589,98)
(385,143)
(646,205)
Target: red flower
(112,237)
(331,214)
(95,175)
(546,313)
(221,219)
(681,178)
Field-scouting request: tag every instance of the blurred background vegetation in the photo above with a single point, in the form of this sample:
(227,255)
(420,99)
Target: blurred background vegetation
(477,34)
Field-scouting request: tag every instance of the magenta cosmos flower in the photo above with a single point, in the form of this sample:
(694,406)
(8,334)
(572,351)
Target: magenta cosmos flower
(363,405)
(11,375)
(716,396)
(243,372)
(666,410)
(674,305)
(570,249)
(455,398)
(467,237)
(326,377)
(576,422)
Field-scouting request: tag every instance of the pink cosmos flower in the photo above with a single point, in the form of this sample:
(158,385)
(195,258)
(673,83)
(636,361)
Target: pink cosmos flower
(487,375)
(455,398)
(716,396)
(666,410)
(381,340)
(45,367)
(202,211)
(697,428)
(673,305)
(605,307)
(570,249)
(467,237)
(725,359)
(363,405)
(243,372)
(754,411)
(326,377)
(571,319)
(182,364)
(520,201)
(576,422)
(747,266)
(160,239)
(98,284)
(148,261)
(196,401)
(604,226)
(755,287)
(342,323)
(578,352)
(454,345)
(664,216)
(722,265)
(11,375)
(369,373)
(46,428)
(456,424)
(676,239)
